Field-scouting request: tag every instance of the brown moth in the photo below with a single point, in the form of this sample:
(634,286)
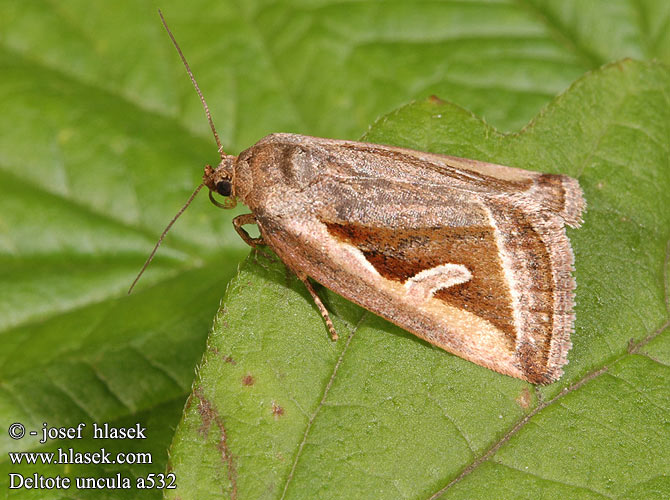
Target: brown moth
(470,256)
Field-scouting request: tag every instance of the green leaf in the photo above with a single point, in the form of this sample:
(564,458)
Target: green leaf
(102,139)
(280,411)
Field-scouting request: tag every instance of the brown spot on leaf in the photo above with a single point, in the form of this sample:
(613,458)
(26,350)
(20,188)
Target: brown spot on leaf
(208,414)
(524,398)
(189,401)
(433,99)
(277,410)
(248,380)
(205,411)
(226,359)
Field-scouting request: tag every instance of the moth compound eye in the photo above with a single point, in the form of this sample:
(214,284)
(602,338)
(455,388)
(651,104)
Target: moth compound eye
(224,188)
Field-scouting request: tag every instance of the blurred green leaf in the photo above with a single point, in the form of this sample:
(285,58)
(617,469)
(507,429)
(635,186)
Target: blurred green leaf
(102,139)
(279,411)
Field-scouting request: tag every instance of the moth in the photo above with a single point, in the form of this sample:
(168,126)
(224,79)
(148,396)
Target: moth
(470,256)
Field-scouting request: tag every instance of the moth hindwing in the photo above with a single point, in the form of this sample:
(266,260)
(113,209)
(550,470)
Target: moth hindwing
(472,257)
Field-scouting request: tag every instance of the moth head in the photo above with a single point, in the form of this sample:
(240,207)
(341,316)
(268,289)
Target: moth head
(220,180)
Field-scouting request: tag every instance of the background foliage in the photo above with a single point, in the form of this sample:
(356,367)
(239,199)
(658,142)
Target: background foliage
(102,139)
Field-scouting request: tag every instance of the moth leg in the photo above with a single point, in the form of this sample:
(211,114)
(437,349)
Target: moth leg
(242,220)
(322,309)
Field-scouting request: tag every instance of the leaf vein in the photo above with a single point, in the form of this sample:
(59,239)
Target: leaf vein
(638,391)
(563,35)
(536,475)
(514,430)
(162,369)
(127,405)
(320,405)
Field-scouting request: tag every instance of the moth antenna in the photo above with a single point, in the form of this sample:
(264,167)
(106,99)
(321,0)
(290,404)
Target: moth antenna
(160,240)
(195,84)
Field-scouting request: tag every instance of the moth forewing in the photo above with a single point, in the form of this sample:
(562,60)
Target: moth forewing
(470,256)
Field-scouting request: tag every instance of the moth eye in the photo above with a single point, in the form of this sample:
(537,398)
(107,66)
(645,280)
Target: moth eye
(224,188)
